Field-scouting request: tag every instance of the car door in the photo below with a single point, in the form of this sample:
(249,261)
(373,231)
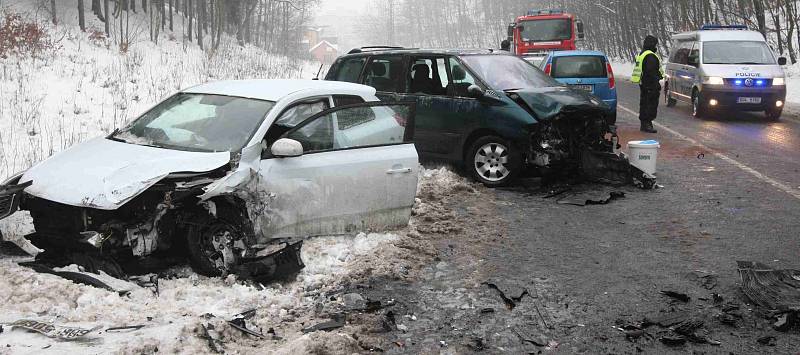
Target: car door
(445,113)
(358,173)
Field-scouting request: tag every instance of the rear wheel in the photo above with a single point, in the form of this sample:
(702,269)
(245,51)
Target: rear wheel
(671,101)
(493,161)
(698,108)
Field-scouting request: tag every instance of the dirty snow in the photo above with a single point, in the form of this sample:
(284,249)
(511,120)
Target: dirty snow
(173,318)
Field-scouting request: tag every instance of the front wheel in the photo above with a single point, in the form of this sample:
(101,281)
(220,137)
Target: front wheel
(774,114)
(698,109)
(671,101)
(211,246)
(493,161)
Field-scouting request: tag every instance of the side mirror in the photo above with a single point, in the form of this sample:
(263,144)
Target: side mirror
(286,148)
(511,30)
(782,61)
(475,92)
(579,27)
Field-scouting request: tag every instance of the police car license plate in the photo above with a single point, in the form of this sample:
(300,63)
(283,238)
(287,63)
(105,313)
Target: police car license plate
(588,88)
(749,100)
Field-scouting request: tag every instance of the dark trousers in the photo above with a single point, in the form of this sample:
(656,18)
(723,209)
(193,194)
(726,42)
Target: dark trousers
(648,103)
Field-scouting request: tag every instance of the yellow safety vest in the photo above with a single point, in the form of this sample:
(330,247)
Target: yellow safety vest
(636,76)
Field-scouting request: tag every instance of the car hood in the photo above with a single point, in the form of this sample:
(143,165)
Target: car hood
(106,174)
(548,103)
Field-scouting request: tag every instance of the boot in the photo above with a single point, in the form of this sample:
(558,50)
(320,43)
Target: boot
(647,126)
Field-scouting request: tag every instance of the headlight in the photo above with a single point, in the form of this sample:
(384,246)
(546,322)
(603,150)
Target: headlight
(714,80)
(778,82)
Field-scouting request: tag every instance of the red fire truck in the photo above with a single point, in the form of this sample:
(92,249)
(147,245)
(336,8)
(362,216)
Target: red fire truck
(542,31)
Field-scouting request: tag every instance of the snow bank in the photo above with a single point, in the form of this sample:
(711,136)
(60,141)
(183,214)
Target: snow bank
(622,69)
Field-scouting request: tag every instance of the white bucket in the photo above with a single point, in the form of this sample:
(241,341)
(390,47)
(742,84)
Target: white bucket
(643,155)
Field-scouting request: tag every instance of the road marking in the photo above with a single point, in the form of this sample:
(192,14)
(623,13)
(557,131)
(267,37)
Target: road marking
(775,183)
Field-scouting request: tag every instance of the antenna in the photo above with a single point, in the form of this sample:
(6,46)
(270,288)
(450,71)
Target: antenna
(319,71)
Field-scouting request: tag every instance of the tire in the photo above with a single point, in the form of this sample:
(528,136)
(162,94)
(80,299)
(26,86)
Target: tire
(493,161)
(204,239)
(698,109)
(671,101)
(774,114)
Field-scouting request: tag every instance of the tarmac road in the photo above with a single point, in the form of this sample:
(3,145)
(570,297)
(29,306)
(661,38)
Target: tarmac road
(730,192)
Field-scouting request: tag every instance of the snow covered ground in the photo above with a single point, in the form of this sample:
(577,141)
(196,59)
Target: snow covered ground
(85,87)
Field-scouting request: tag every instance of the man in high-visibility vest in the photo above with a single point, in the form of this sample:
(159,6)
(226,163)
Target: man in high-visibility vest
(648,74)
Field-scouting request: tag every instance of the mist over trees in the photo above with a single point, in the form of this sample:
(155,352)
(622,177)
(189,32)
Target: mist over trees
(275,25)
(615,27)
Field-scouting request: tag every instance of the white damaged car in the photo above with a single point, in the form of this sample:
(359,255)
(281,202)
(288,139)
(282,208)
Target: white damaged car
(230,174)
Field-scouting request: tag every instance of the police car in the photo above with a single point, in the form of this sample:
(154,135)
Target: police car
(725,67)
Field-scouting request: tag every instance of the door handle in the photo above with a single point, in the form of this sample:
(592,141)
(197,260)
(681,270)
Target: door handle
(399,171)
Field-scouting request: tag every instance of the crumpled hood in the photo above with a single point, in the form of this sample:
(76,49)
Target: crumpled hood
(106,174)
(547,103)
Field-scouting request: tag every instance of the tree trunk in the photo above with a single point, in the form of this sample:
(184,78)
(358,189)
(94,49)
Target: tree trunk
(171,11)
(190,8)
(108,18)
(53,8)
(81,16)
(199,23)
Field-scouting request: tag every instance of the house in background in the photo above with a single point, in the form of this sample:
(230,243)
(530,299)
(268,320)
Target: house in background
(311,36)
(325,52)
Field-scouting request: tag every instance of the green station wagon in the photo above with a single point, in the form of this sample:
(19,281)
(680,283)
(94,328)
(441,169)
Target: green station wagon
(493,112)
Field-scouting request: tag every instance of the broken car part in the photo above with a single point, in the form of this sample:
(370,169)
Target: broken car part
(51,330)
(337,321)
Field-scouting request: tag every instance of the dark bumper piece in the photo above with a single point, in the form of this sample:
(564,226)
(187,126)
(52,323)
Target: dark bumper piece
(280,265)
(609,168)
(10,198)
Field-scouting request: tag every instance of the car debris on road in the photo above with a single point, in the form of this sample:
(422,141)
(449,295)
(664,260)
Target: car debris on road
(52,330)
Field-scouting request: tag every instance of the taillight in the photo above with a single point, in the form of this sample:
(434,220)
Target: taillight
(547,68)
(611,82)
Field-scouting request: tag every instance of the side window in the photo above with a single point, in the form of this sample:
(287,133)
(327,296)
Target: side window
(682,54)
(349,70)
(302,111)
(316,135)
(427,76)
(354,127)
(342,100)
(694,54)
(383,73)
(293,116)
(461,79)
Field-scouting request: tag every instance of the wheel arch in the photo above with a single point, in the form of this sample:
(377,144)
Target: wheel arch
(474,136)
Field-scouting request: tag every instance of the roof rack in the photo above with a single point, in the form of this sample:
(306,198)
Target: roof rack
(539,12)
(711,27)
(374,48)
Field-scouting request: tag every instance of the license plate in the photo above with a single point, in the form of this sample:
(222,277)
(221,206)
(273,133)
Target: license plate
(588,88)
(749,100)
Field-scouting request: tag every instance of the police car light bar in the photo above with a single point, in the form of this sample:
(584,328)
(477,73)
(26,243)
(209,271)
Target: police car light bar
(722,27)
(545,12)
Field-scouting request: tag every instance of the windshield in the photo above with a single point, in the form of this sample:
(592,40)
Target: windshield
(737,52)
(546,30)
(198,122)
(506,72)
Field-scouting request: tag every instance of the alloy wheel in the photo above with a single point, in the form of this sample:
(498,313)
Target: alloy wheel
(491,162)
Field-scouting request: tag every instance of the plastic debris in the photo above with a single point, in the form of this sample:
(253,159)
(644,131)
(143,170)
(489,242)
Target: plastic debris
(51,330)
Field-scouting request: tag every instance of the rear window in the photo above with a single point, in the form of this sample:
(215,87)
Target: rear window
(579,67)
